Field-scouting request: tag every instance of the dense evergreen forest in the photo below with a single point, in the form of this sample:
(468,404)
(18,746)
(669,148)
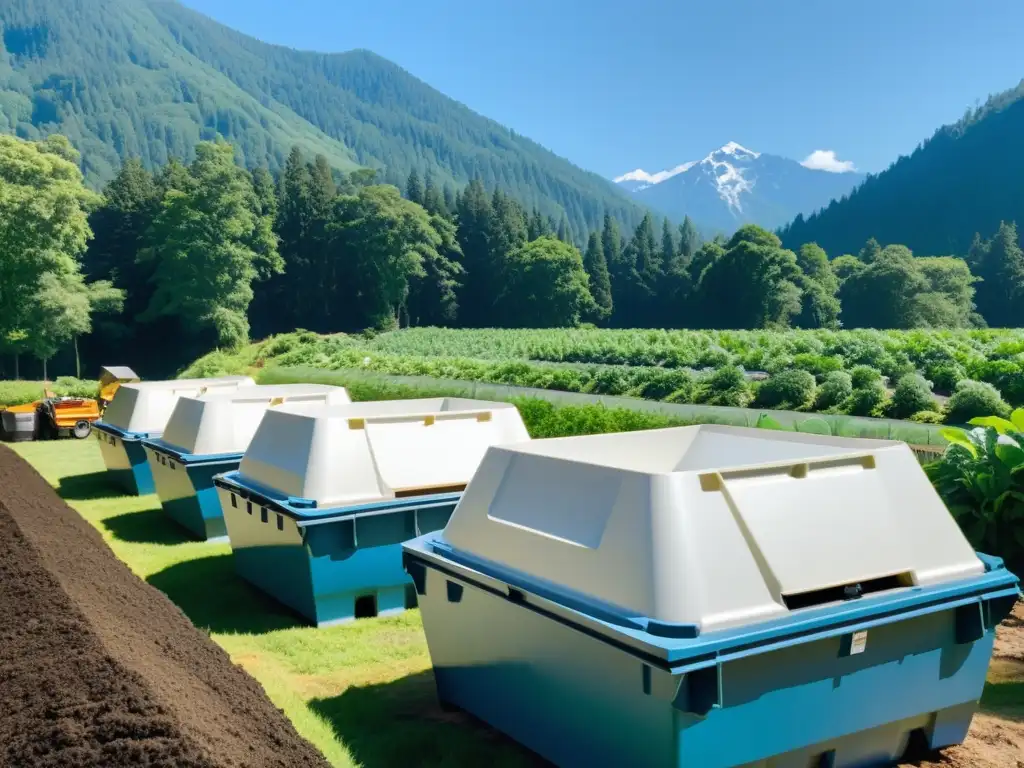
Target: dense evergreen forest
(966,178)
(169,264)
(151,79)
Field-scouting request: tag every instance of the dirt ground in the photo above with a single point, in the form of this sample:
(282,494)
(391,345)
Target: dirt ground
(994,742)
(97,668)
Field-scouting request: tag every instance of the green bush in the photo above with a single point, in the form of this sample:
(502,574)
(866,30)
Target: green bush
(790,390)
(864,376)
(911,395)
(663,383)
(819,365)
(544,419)
(1005,375)
(928,417)
(979,480)
(834,390)
(972,399)
(726,386)
(946,375)
(866,401)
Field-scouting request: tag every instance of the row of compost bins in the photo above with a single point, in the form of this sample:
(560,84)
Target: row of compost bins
(700,597)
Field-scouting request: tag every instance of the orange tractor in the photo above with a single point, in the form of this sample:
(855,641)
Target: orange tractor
(53,416)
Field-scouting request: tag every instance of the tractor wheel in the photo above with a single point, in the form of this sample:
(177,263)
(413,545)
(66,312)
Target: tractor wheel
(82,429)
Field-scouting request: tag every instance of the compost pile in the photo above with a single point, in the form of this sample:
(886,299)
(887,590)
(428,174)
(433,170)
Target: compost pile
(97,668)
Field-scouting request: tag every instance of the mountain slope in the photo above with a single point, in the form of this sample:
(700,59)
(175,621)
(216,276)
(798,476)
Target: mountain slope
(734,186)
(110,77)
(966,178)
(151,77)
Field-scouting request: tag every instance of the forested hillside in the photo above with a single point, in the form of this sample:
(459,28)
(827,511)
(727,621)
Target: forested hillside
(107,75)
(964,180)
(151,78)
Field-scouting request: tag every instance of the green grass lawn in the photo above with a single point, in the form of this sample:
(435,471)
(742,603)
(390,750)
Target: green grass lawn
(362,693)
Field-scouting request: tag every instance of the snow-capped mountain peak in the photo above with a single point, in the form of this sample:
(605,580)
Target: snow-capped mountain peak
(734,185)
(640,178)
(735,150)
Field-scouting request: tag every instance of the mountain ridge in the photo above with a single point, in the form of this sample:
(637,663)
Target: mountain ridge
(964,179)
(733,185)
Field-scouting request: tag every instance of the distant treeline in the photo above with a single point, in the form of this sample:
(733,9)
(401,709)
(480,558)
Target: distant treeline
(210,254)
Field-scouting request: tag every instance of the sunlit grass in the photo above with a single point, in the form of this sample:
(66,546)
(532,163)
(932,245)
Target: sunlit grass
(362,693)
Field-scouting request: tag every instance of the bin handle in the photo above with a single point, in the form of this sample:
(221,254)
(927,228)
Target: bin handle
(428,419)
(715,481)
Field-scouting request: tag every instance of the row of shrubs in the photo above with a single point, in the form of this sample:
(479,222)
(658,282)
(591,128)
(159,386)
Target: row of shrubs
(858,392)
(941,356)
(542,418)
(862,393)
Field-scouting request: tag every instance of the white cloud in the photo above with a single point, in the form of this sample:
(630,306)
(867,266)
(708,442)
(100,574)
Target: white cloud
(826,160)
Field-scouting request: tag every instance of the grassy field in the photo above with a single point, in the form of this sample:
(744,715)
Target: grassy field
(363,693)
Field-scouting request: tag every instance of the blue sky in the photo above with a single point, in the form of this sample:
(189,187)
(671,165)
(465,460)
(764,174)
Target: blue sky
(653,83)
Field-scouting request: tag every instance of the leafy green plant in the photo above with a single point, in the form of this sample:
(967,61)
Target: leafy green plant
(789,390)
(974,399)
(834,390)
(927,417)
(913,393)
(864,376)
(980,478)
(726,386)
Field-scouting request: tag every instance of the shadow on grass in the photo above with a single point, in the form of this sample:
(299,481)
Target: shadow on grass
(401,723)
(214,597)
(150,526)
(94,485)
(1004,699)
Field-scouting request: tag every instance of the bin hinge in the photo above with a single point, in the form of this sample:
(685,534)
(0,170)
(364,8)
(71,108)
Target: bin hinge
(700,691)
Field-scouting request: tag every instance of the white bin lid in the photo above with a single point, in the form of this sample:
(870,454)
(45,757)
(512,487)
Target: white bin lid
(225,422)
(708,525)
(146,406)
(338,455)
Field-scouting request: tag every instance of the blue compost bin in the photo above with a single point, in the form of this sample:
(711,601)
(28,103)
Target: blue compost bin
(207,436)
(125,458)
(184,482)
(328,565)
(139,412)
(629,600)
(323,499)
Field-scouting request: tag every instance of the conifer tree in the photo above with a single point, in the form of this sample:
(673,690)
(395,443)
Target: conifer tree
(597,270)
(689,240)
(1000,265)
(414,188)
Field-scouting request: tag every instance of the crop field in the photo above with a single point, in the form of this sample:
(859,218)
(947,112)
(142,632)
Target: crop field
(929,376)
(363,694)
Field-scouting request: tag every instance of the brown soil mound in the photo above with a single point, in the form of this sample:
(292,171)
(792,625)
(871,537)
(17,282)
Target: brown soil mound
(97,668)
